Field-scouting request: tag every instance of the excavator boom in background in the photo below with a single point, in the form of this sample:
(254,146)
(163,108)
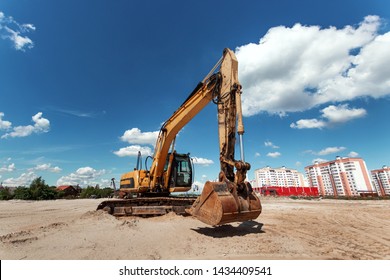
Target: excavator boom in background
(229,200)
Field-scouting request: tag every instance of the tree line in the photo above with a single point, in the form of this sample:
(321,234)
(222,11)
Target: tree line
(39,190)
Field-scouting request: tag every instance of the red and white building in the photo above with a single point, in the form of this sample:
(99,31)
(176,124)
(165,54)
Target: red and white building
(282,182)
(381,180)
(341,177)
(279,177)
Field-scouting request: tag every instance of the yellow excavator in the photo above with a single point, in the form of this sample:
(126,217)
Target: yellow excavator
(231,199)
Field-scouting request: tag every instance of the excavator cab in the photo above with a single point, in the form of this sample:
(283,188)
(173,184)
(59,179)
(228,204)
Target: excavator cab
(177,173)
(180,179)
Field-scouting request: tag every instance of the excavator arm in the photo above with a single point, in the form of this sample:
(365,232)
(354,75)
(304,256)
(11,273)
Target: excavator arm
(232,198)
(230,121)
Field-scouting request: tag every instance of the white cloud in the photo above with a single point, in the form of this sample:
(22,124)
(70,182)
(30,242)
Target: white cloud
(8,168)
(274,154)
(202,161)
(135,136)
(353,154)
(319,160)
(257,154)
(331,115)
(28,27)
(330,150)
(20,131)
(308,123)
(55,169)
(4,124)
(12,30)
(131,151)
(341,113)
(296,68)
(19,41)
(40,125)
(23,180)
(270,144)
(83,176)
(77,113)
(46,167)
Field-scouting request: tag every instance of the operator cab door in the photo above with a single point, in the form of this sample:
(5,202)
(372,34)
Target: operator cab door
(181,175)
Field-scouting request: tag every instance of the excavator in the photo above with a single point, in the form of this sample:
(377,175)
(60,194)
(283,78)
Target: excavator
(230,199)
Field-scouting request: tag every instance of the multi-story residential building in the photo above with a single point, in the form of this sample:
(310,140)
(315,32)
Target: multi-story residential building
(381,179)
(340,177)
(278,177)
(281,182)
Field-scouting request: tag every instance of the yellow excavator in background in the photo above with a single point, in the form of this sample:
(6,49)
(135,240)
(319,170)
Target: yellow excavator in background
(231,199)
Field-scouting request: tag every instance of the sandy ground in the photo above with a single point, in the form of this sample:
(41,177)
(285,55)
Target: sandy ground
(287,229)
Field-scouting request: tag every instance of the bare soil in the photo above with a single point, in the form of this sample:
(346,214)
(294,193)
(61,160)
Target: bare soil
(287,229)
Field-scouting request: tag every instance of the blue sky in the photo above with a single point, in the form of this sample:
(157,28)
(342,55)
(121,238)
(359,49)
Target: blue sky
(85,84)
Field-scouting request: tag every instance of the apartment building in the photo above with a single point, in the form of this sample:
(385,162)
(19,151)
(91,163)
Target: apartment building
(340,177)
(381,180)
(281,182)
(278,177)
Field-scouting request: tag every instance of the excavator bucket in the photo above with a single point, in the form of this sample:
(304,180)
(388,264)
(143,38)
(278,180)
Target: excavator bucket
(220,203)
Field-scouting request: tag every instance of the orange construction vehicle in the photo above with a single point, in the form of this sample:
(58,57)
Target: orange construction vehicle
(231,199)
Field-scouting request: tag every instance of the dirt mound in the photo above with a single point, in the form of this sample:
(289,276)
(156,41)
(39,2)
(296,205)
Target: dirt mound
(96,214)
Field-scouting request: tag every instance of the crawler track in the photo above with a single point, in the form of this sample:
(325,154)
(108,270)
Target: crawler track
(147,206)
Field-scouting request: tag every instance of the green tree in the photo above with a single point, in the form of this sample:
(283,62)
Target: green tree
(41,191)
(5,194)
(106,192)
(90,192)
(22,193)
(96,192)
